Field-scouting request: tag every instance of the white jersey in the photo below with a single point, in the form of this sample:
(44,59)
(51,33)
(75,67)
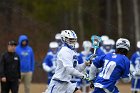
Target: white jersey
(65,60)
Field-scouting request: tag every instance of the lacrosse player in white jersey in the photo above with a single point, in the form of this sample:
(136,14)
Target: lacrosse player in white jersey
(66,66)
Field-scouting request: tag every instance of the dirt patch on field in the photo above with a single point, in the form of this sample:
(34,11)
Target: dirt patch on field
(39,88)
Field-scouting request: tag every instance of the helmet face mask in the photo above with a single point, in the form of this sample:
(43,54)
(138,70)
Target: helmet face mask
(54,50)
(71,42)
(107,45)
(53,46)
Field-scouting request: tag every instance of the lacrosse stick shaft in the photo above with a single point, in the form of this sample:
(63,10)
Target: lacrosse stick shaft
(135,83)
(94,50)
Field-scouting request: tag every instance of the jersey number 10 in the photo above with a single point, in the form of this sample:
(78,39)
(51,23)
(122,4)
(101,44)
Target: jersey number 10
(107,69)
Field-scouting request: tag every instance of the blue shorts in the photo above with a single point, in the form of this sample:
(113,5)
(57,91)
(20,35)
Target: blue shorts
(48,82)
(135,84)
(78,83)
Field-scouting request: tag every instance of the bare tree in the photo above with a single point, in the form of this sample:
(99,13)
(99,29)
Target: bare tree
(72,18)
(136,20)
(80,20)
(119,8)
(108,15)
(7,12)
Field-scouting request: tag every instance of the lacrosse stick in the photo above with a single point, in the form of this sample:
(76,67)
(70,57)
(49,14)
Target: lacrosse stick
(95,44)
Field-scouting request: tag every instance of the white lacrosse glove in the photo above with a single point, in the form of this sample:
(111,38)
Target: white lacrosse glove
(136,73)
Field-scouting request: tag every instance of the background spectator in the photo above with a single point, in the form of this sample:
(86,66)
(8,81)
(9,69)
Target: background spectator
(26,55)
(10,70)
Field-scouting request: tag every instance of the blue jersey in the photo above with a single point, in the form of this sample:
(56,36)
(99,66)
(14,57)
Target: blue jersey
(135,60)
(114,66)
(99,52)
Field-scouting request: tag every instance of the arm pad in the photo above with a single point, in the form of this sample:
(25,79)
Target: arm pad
(81,67)
(46,68)
(72,71)
(132,69)
(93,71)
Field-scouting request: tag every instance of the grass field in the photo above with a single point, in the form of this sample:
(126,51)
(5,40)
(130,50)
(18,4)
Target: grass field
(35,88)
(39,88)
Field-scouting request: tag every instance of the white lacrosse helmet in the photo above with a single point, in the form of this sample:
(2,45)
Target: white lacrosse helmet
(53,45)
(76,45)
(58,36)
(107,42)
(69,37)
(107,45)
(112,41)
(104,37)
(138,44)
(123,43)
(87,45)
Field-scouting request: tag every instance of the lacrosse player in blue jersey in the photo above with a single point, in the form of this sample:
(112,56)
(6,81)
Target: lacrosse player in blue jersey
(115,66)
(67,66)
(107,46)
(135,67)
(49,62)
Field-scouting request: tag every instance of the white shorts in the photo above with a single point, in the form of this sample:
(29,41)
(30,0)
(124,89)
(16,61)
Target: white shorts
(61,87)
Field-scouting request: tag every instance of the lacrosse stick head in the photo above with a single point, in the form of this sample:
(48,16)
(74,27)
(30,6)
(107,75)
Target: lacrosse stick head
(95,44)
(95,41)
